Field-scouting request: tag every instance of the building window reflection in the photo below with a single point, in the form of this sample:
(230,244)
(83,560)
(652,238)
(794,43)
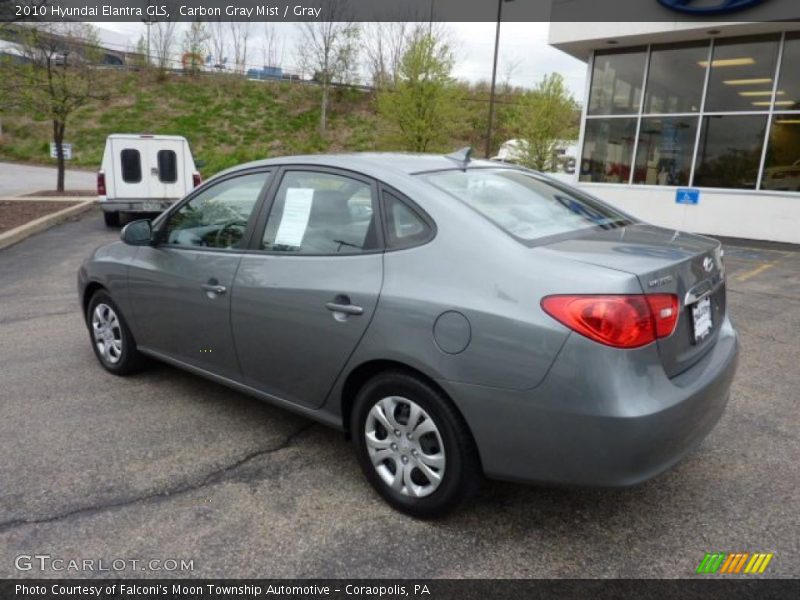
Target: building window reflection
(617,82)
(608,150)
(748,116)
(665,149)
(730,151)
(782,166)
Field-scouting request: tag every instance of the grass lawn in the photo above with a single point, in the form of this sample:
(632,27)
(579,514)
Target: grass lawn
(227,120)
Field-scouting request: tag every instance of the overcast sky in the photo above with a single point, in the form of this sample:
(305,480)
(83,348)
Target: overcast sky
(523,46)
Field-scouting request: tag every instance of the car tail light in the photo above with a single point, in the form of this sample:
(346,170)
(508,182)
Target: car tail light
(196,179)
(625,321)
(101,184)
(665,313)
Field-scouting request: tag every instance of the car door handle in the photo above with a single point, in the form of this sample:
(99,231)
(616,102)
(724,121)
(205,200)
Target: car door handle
(348,309)
(216,289)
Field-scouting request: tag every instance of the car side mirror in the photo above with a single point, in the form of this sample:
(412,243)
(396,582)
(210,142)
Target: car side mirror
(138,233)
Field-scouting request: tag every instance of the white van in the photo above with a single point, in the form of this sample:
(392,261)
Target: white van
(144,173)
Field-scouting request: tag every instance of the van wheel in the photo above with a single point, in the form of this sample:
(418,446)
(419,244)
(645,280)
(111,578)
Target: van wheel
(413,446)
(111,219)
(112,341)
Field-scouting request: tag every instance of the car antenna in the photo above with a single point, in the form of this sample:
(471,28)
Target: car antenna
(462,157)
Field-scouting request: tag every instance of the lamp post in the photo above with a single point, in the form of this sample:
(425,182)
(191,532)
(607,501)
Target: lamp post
(148,23)
(494,77)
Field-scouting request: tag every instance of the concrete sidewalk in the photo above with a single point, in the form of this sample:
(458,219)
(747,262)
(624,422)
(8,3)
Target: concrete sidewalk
(17,179)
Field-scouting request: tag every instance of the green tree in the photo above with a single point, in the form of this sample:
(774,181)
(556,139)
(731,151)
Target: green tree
(545,117)
(141,59)
(195,46)
(422,110)
(56,75)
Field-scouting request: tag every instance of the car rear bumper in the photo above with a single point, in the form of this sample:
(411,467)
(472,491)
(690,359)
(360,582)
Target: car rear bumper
(634,424)
(132,206)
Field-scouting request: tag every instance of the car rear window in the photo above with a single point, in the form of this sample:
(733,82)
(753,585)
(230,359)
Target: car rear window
(526,206)
(131,165)
(167,166)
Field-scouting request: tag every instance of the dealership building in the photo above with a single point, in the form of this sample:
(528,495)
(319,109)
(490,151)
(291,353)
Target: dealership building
(692,125)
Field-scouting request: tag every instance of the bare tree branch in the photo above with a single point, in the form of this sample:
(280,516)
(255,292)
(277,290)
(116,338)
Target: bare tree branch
(328,48)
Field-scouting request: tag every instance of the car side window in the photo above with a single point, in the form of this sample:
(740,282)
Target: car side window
(404,225)
(217,217)
(321,213)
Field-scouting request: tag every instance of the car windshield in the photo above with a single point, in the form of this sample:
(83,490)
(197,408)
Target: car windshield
(524,205)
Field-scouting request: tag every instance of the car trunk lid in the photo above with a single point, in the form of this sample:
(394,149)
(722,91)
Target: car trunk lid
(664,261)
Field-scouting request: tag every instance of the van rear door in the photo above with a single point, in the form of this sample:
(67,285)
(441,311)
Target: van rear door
(130,179)
(150,170)
(167,174)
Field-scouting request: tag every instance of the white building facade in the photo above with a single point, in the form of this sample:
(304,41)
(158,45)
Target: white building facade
(692,125)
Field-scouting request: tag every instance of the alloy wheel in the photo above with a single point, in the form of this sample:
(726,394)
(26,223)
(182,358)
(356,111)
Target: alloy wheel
(405,446)
(107,333)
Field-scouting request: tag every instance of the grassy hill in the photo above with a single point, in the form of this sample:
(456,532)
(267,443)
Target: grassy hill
(227,120)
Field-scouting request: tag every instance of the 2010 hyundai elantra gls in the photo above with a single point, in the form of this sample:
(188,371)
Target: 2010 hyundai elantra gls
(455,318)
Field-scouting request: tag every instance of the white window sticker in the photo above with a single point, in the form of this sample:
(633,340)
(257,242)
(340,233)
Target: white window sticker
(294,221)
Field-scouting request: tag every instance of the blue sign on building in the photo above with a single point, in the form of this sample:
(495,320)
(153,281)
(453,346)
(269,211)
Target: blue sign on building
(700,8)
(687,196)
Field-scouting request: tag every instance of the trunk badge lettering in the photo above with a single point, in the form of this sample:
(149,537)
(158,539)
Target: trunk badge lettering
(660,281)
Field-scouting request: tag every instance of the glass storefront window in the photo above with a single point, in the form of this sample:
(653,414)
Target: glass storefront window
(741,78)
(608,150)
(617,82)
(664,154)
(782,167)
(742,72)
(730,151)
(788,97)
(674,79)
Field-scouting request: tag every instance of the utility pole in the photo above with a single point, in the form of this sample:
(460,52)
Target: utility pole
(148,22)
(494,77)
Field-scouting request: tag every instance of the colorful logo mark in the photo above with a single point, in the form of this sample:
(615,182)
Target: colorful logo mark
(720,562)
(720,8)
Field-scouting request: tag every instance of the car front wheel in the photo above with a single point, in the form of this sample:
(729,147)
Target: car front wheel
(413,446)
(111,338)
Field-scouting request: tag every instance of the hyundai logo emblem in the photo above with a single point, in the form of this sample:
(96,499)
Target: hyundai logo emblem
(720,8)
(708,264)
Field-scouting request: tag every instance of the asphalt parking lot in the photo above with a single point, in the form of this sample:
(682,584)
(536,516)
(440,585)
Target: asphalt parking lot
(166,465)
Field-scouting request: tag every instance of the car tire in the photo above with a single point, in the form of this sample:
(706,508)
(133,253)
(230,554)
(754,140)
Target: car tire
(111,219)
(438,462)
(112,340)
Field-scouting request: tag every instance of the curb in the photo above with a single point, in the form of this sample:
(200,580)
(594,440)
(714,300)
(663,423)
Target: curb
(47,198)
(46,222)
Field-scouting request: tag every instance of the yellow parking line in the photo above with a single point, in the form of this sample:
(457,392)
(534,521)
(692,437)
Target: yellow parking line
(756,271)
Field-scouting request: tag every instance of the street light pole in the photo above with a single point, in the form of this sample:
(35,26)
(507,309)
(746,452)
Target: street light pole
(494,77)
(148,23)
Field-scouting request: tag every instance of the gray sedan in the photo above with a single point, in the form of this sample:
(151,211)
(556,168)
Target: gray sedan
(455,318)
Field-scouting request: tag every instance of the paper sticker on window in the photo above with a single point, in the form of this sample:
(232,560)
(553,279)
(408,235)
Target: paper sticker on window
(296,210)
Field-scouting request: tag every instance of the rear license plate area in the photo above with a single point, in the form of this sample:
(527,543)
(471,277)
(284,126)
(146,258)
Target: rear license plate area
(701,320)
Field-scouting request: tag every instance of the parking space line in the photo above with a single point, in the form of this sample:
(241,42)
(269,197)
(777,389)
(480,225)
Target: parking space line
(753,272)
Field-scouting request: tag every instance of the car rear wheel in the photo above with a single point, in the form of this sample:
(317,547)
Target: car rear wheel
(112,341)
(413,446)
(111,219)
